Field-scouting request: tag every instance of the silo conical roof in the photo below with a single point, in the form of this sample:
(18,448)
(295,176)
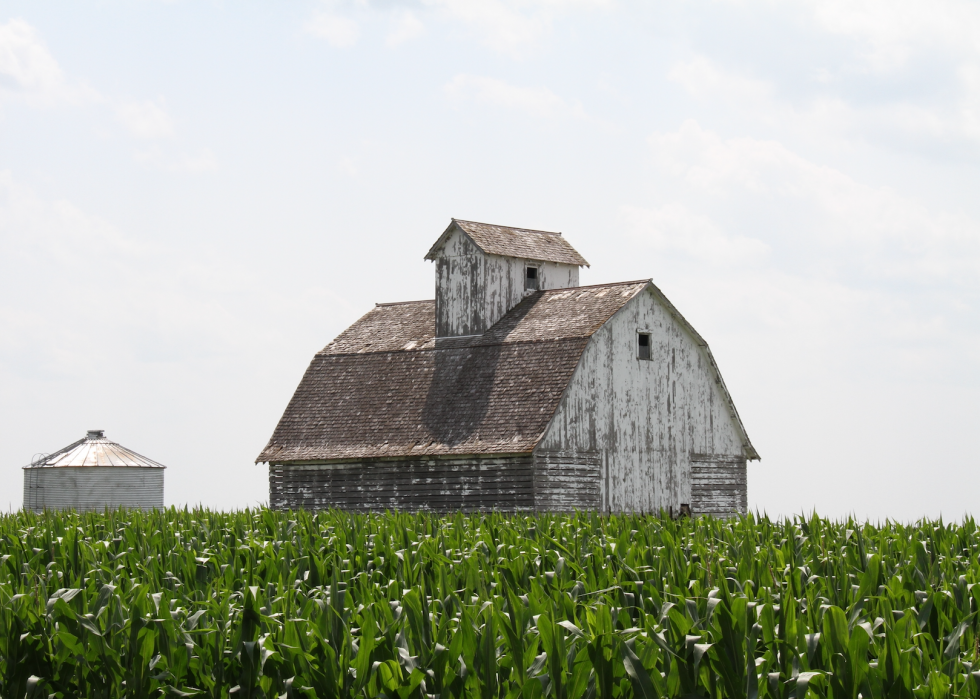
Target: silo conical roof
(94,450)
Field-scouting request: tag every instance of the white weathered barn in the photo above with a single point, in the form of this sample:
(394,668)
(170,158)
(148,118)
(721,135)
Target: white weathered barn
(93,474)
(515,389)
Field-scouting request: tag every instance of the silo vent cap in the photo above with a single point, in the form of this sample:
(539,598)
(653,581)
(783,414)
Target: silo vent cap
(96,434)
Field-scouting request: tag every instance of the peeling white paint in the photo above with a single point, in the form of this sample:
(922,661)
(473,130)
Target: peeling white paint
(475,290)
(630,434)
(646,417)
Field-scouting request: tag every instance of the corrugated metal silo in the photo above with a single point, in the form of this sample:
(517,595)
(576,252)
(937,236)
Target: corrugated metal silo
(92,474)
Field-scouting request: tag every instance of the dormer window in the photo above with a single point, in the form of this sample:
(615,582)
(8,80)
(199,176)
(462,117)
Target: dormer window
(643,345)
(531,279)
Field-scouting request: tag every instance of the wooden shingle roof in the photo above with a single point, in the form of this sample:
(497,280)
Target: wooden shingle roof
(507,241)
(385,388)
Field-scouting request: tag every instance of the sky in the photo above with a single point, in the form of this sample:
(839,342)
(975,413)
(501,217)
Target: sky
(195,197)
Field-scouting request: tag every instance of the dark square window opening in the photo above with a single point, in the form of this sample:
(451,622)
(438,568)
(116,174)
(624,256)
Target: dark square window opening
(643,345)
(531,278)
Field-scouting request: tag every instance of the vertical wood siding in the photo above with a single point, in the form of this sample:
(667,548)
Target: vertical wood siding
(646,417)
(474,290)
(718,485)
(92,488)
(441,485)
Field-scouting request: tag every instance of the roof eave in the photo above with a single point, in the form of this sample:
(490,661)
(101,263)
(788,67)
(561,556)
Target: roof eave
(432,254)
(532,258)
(25,468)
(434,250)
(398,457)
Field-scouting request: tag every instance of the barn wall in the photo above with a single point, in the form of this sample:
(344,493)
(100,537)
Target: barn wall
(475,290)
(646,417)
(92,488)
(469,484)
(566,482)
(718,485)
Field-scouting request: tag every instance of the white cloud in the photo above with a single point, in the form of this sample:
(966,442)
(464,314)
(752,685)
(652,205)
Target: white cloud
(746,229)
(675,229)
(702,78)
(893,31)
(338,31)
(349,166)
(45,239)
(878,233)
(504,27)
(892,38)
(829,117)
(205,161)
(405,27)
(510,27)
(145,119)
(30,72)
(821,116)
(536,101)
(25,63)
(61,230)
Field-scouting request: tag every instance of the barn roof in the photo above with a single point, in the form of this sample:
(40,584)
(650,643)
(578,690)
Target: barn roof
(513,242)
(94,450)
(386,388)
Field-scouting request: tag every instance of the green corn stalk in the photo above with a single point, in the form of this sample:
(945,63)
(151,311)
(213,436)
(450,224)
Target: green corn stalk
(262,604)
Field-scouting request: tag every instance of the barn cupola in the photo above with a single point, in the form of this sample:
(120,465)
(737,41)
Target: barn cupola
(483,271)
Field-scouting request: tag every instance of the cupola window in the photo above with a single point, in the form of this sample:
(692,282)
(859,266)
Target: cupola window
(643,345)
(531,279)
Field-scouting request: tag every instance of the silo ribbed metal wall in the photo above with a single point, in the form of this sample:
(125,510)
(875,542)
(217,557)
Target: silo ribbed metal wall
(31,488)
(92,488)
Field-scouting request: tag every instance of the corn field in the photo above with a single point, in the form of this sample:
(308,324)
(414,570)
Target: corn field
(275,604)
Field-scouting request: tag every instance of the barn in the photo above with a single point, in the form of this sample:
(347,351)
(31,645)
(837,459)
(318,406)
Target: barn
(92,474)
(515,389)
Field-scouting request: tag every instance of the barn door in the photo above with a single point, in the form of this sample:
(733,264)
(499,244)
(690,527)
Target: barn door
(718,485)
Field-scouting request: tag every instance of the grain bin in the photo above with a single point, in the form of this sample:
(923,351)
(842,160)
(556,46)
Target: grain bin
(92,474)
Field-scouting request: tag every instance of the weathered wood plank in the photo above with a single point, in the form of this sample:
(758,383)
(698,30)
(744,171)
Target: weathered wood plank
(657,422)
(565,482)
(718,487)
(438,485)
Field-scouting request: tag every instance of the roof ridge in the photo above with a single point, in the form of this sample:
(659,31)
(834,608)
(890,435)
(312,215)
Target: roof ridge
(403,303)
(513,228)
(511,241)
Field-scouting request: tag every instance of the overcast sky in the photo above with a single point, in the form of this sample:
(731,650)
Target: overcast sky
(197,196)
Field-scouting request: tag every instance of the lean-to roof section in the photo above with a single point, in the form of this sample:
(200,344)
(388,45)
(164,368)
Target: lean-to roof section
(388,327)
(507,241)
